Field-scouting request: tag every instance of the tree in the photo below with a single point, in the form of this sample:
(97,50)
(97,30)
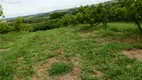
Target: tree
(56,15)
(90,14)
(68,19)
(1,11)
(18,23)
(133,10)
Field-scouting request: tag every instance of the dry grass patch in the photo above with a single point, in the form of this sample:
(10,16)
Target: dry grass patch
(1,50)
(133,54)
(20,59)
(89,33)
(99,75)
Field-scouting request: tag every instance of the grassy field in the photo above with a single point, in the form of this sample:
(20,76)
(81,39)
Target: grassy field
(73,53)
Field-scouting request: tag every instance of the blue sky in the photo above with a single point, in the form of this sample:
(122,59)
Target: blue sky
(13,8)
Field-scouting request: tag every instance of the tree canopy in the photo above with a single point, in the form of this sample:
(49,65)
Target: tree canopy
(1,11)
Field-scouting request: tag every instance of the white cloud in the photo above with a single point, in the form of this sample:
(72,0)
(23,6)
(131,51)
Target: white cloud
(13,1)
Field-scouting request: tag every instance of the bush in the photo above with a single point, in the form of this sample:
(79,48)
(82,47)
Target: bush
(18,24)
(26,27)
(51,24)
(56,15)
(4,28)
(60,68)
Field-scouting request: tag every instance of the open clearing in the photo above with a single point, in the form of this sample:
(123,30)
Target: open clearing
(114,53)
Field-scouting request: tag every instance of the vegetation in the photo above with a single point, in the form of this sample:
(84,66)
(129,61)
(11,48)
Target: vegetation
(24,55)
(18,24)
(111,11)
(4,28)
(123,10)
(133,10)
(93,42)
(60,68)
(1,11)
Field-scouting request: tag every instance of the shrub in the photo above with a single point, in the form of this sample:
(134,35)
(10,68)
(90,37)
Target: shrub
(4,28)
(51,24)
(60,68)
(18,24)
(56,15)
(26,27)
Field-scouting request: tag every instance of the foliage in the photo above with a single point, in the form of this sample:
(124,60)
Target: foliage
(18,24)
(122,10)
(32,19)
(4,28)
(50,24)
(56,15)
(131,10)
(86,14)
(1,11)
(117,11)
(68,19)
(27,27)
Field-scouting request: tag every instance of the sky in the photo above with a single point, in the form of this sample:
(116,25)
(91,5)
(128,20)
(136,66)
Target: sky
(13,8)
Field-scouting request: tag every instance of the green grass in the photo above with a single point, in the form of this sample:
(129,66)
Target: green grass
(60,68)
(96,49)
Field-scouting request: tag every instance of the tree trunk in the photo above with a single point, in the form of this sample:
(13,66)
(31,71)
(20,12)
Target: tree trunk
(105,23)
(138,24)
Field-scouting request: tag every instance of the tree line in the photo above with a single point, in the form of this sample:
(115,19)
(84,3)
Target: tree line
(111,11)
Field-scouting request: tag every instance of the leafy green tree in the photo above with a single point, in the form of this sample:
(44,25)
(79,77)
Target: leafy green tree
(91,14)
(68,19)
(133,10)
(18,24)
(1,11)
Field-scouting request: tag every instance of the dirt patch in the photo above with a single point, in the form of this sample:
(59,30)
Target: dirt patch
(89,33)
(41,69)
(101,40)
(129,66)
(42,73)
(100,74)
(72,76)
(67,32)
(133,54)
(75,74)
(75,60)
(20,59)
(61,51)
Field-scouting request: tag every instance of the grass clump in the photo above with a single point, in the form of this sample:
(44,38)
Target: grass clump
(60,68)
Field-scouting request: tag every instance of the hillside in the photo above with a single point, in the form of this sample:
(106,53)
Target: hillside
(95,53)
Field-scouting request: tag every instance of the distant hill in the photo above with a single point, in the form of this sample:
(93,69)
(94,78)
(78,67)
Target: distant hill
(46,14)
